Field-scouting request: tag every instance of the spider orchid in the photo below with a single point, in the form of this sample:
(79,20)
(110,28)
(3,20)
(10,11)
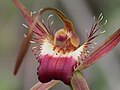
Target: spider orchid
(60,55)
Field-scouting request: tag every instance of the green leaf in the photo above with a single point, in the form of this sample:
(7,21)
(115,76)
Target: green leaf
(44,86)
(78,82)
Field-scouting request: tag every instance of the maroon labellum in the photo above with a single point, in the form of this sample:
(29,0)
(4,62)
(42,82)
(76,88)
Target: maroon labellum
(59,68)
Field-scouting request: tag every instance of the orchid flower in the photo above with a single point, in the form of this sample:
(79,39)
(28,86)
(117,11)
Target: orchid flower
(60,54)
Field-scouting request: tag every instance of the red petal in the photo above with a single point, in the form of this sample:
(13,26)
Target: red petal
(103,49)
(58,68)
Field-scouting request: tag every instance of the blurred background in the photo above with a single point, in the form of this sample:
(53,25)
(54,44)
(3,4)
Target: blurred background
(103,75)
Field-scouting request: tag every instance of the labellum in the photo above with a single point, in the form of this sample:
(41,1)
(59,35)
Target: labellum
(56,57)
(60,54)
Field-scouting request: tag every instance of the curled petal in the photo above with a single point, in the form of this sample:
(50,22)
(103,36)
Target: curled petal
(78,82)
(44,86)
(67,23)
(101,50)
